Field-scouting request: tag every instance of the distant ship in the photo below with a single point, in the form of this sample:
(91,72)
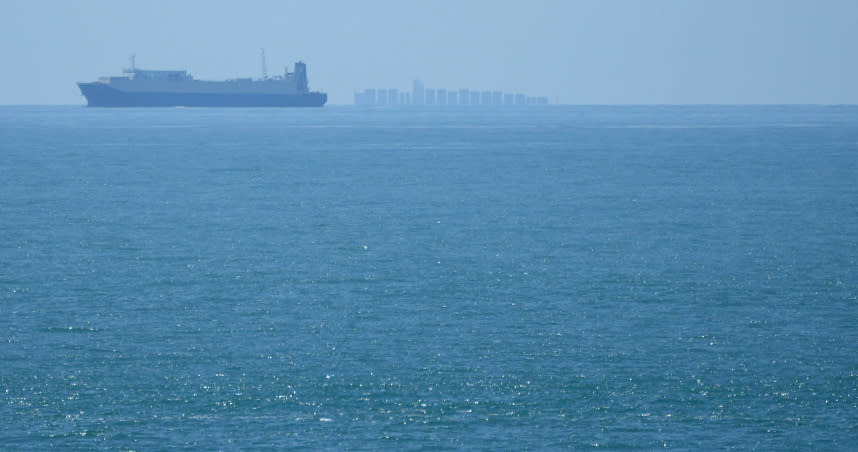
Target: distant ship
(145,88)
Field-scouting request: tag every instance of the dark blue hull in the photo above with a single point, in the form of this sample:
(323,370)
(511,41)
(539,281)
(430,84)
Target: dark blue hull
(102,95)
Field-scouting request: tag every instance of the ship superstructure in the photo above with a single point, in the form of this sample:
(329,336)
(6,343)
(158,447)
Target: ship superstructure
(148,88)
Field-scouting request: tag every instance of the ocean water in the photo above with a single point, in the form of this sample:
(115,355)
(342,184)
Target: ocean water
(396,279)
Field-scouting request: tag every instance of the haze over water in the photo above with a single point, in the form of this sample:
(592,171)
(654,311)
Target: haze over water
(365,279)
(572,51)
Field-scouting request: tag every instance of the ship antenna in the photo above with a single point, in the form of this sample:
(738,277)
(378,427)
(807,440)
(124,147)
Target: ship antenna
(264,68)
(132,61)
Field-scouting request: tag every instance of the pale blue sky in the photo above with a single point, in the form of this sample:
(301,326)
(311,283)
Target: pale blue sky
(578,52)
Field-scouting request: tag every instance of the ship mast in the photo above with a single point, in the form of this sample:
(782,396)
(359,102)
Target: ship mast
(264,67)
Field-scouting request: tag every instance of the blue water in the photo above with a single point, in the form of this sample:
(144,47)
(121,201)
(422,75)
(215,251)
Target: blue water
(358,279)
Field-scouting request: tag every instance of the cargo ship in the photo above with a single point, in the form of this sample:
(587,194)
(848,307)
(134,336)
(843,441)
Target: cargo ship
(147,88)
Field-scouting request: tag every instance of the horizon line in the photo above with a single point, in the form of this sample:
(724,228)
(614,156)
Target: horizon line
(442,107)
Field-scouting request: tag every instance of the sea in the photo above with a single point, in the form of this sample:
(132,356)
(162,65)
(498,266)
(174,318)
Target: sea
(346,278)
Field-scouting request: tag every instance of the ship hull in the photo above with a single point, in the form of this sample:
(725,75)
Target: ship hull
(102,95)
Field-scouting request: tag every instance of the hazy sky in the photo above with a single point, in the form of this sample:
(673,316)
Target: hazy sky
(578,52)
